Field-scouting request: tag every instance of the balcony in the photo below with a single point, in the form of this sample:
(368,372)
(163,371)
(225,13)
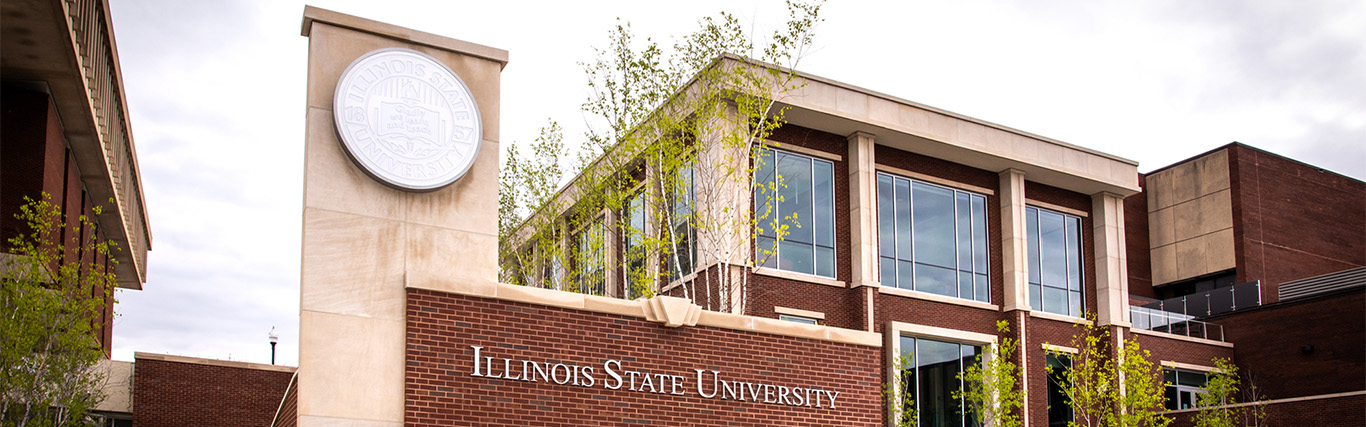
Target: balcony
(1179,316)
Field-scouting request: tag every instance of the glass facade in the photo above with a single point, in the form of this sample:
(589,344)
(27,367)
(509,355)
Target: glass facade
(932,239)
(1055,270)
(590,273)
(1059,410)
(930,383)
(680,262)
(796,194)
(1183,387)
(633,236)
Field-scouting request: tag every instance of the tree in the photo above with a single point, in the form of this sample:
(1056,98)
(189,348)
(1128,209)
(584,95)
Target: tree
(992,383)
(1219,405)
(666,171)
(897,392)
(1111,382)
(52,295)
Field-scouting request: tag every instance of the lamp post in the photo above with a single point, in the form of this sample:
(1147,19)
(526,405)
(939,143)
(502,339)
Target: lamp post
(274,338)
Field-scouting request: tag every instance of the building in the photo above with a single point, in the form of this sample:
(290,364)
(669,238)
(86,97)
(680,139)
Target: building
(65,133)
(924,229)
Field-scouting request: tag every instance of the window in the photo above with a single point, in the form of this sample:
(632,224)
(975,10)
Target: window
(799,319)
(934,378)
(590,247)
(932,238)
(805,204)
(1059,410)
(633,234)
(1055,284)
(680,261)
(1183,387)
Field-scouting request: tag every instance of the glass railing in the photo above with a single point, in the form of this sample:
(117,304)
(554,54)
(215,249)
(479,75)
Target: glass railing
(1174,323)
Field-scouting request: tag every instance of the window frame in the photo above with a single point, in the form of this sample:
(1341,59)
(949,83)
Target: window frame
(1034,243)
(896,244)
(773,261)
(1181,390)
(597,224)
(636,194)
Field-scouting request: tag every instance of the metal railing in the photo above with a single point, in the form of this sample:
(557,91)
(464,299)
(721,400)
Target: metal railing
(1174,323)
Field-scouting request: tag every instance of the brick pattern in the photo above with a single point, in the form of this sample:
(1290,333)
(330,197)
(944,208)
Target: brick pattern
(1334,412)
(174,394)
(1292,220)
(1270,345)
(37,161)
(288,415)
(440,391)
(1136,243)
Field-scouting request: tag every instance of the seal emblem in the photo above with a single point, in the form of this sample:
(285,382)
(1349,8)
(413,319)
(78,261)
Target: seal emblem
(407,119)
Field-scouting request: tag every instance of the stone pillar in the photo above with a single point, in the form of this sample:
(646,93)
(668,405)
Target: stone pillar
(1014,249)
(1112,276)
(862,211)
(364,242)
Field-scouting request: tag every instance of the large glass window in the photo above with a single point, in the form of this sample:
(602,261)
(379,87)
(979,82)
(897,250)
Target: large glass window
(591,268)
(1059,410)
(1055,284)
(1183,387)
(680,261)
(633,234)
(804,204)
(930,383)
(932,238)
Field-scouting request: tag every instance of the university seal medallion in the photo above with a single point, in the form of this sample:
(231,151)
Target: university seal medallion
(407,119)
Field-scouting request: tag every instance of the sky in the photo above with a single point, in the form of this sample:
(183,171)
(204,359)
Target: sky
(216,96)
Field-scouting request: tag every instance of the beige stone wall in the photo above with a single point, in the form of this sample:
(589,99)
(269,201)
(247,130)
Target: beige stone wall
(364,242)
(1190,219)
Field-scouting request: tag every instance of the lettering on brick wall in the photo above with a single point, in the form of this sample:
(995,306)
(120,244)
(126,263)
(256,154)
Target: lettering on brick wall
(615,375)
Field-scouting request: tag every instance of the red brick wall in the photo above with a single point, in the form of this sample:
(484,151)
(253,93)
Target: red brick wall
(1136,244)
(1292,220)
(1269,344)
(1335,412)
(288,416)
(174,394)
(440,390)
(34,160)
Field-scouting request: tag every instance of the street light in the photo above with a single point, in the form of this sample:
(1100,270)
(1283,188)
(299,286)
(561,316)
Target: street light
(274,338)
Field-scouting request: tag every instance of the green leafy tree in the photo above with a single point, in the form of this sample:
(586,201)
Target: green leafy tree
(898,392)
(1219,406)
(992,383)
(675,135)
(51,298)
(1110,382)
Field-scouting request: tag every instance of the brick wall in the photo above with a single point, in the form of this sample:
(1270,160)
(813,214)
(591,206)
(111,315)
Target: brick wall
(1292,220)
(36,161)
(173,394)
(1346,411)
(1270,344)
(440,390)
(1136,243)
(288,415)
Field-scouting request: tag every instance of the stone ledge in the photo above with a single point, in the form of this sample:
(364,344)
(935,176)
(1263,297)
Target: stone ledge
(212,362)
(316,14)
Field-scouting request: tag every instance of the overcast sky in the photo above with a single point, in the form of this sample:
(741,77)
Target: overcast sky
(216,92)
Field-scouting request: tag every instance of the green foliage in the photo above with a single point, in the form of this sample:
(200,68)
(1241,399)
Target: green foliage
(49,307)
(675,130)
(1111,383)
(900,404)
(1219,406)
(992,383)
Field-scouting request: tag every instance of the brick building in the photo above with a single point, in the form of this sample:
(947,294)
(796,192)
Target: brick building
(65,133)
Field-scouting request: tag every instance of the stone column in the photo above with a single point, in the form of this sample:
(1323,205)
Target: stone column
(1014,249)
(365,242)
(1112,275)
(862,210)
